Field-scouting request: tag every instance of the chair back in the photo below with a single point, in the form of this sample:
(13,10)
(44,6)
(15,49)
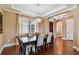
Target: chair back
(40,40)
(20,42)
(49,37)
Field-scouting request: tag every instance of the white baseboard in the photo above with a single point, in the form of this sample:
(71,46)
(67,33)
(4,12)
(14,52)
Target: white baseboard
(7,45)
(66,39)
(77,49)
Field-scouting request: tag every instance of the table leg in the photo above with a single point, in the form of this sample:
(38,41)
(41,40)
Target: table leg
(45,46)
(24,52)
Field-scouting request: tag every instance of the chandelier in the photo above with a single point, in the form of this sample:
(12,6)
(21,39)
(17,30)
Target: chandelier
(38,19)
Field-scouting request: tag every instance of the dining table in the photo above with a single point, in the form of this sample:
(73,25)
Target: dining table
(31,41)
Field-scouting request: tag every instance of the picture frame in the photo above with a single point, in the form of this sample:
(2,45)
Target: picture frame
(1,23)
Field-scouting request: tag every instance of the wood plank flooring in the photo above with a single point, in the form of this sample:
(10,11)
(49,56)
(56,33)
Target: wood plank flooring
(61,47)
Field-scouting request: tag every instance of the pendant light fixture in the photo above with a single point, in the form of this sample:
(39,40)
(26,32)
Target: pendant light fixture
(38,19)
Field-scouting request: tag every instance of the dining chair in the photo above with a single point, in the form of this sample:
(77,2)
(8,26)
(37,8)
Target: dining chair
(22,48)
(39,44)
(49,40)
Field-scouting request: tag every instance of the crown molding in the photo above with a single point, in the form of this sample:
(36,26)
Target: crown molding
(62,11)
(25,12)
(55,10)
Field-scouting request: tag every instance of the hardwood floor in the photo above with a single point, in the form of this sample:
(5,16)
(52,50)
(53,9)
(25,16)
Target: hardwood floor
(61,47)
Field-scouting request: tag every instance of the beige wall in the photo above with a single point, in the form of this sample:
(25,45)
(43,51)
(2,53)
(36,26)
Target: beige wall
(44,25)
(76,26)
(1,34)
(9,28)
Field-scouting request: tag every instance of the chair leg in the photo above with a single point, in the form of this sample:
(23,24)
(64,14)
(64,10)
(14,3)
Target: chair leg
(30,52)
(45,46)
(24,51)
(48,46)
(36,51)
(20,52)
(38,48)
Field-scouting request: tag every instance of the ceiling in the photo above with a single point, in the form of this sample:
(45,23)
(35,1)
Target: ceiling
(41,10)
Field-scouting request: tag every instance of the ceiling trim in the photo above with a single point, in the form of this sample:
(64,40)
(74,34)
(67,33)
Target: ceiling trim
(69,9)
(33,14)
(25,12)
(54,10)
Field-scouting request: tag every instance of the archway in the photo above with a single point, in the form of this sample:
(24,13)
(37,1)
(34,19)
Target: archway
(59,28)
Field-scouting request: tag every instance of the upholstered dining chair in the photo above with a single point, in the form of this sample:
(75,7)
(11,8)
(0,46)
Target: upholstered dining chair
(39,44)
(49,40)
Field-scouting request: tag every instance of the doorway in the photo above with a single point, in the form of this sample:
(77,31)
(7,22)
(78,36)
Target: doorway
(51,26)
(59,28)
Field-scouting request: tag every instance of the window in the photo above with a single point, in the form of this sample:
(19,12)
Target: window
(23,24)
(33,26)
(27,25)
